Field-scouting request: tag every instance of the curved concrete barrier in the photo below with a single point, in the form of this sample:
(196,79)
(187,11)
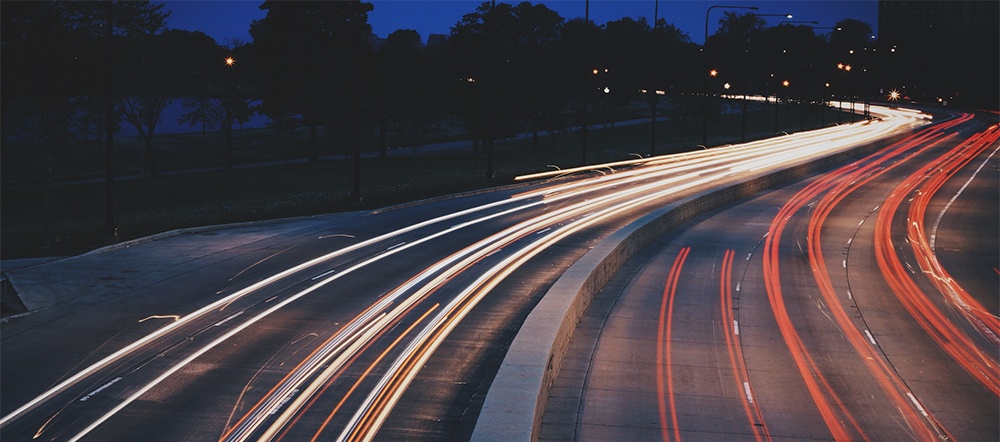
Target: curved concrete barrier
(514,405)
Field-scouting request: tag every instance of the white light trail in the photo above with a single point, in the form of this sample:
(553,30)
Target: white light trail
(664,171)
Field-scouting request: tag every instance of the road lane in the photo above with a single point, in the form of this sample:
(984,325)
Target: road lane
(827,354)
(311,334)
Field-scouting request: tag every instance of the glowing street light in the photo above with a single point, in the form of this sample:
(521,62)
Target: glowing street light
(230,61)
(713,73)
(894,95)
(803,22)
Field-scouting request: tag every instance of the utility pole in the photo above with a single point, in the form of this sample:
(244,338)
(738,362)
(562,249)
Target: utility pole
(357,114)
(490,76)
(586,81)
(652,84)
(110,230)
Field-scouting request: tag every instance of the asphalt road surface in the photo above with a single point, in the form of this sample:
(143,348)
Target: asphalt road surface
(388,323)
(857,305)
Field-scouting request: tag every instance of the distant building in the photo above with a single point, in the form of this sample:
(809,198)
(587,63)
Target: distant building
(901,19)
(942,51)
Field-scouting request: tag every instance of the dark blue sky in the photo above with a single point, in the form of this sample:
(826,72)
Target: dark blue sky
(224,20)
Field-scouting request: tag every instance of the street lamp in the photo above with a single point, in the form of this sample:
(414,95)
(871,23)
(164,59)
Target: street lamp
(844,69)
(230,61)
(704,97)
(652,81)
(784,83)
(784,22)
(774,15)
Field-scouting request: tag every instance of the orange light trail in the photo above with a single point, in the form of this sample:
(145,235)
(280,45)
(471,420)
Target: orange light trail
(979,364)
(664,371)
(841,185)
(819,388)
(830,190)
(730,329)
(715,166)
(368,370)
(938,175)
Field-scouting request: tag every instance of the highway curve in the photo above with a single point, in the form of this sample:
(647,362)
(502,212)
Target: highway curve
(857,305)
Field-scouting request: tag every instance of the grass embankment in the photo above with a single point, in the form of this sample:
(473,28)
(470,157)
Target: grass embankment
(146,206)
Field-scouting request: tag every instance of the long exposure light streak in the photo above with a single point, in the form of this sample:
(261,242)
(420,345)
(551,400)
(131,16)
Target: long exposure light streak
(496,240)
(934,177)
(839,186)
(830,190)
(664,367)
(980,364)
(668,172)
(831,408)
(511,263)
(477,251)
(734,349)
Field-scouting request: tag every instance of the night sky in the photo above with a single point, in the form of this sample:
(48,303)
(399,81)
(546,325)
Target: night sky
(226,20)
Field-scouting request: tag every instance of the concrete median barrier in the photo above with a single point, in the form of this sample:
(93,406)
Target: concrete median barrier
(516,401)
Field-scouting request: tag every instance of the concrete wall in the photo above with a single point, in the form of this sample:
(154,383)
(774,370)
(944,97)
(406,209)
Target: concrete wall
(516,400)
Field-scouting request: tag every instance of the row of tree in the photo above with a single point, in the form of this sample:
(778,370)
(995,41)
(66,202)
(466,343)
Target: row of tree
(504,67)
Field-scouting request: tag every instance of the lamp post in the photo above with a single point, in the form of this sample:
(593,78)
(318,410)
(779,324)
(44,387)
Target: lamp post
(586,83)
(785,84)
(704,97)
(805,22)
(228,111)
(774,15)
(844,70)
(652,83)
(110,226)
(826,41)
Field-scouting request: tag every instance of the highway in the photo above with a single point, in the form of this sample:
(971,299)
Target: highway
(860,304)
(389,323)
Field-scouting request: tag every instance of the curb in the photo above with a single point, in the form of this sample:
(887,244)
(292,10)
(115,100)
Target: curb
(197,229)
(516,400)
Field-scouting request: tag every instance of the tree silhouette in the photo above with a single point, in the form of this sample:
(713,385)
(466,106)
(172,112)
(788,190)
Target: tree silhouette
(305,60)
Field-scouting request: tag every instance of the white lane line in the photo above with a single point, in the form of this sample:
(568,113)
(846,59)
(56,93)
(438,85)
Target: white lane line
(937,222)
(100,389)
(336,235)
(917,403)
(228,318)
(870,337)
(322,274)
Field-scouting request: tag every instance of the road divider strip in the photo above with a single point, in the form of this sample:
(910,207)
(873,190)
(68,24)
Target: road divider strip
(515,403)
